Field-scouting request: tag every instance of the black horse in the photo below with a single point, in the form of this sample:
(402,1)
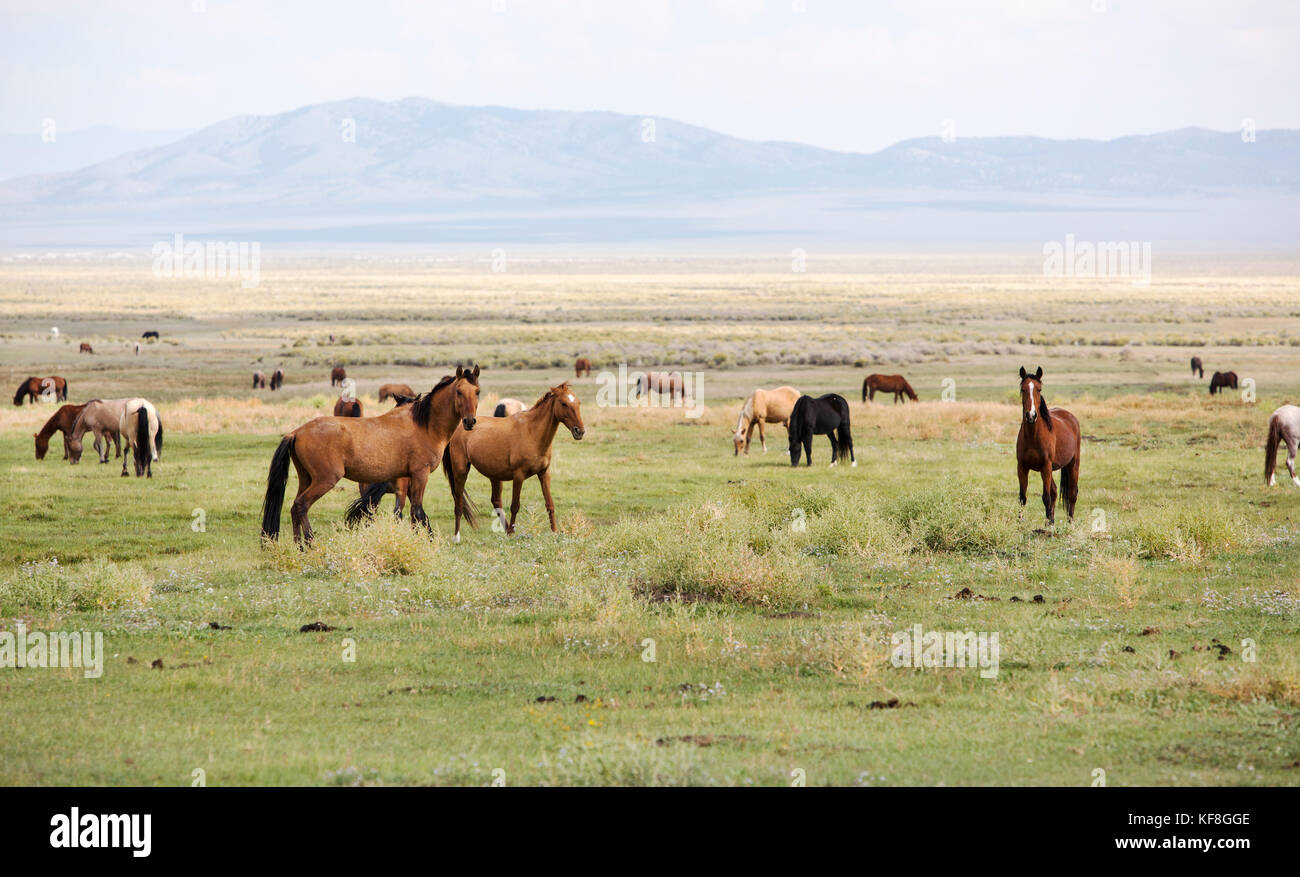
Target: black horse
(1222,381)
(1198,370)
(826,415)
(150,334)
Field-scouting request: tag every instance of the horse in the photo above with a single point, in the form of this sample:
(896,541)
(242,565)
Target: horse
(580,366)
(347,407)
(151,334)
(762,406)
(277,378)
(826,415)
(511,449)
(1283,426)
(895,384)
(507,407)
(1198,370)
(1222,381)
(259,380)
(337,376)
(406,442)
(35,388)
(661,382)
(1048,440)
(86,348)
(103,418)
(392,391)
(140,425)
(62,421)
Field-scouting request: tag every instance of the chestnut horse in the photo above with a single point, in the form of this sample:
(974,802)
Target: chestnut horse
(347,407)
(36,388)
(671,383)
(337,375)
(1198,370)
(392,391)
(277,379)
(580,366)
(1283,426)
(259,381)
(86,348)
(406,442)
(511,449)
(762,406)
(895,384)
(62,421)
(1048,440)
(1222,381)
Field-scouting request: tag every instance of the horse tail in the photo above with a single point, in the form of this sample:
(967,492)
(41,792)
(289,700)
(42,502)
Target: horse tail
(275,481)
(1270,447)
(467,507)
(500,410)
(843,436)
(142,450)
(865,381)
(62,395)
(157,439)
(364,506)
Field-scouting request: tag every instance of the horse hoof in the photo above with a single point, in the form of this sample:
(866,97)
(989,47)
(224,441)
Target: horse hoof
(456,539)
(855,465)
(1296,481)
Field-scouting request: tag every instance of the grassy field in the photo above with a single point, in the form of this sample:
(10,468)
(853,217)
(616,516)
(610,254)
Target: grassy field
(701,618)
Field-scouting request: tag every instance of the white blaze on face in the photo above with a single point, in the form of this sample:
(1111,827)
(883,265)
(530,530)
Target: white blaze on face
(571,399)
(1033,408)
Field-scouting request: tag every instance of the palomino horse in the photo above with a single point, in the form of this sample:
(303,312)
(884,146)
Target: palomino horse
(763,406)
(1048,440)
(826,415)
(102,418)
(140,425)
(62,421)
(337,376)
(582,366)
(895,384)
(1283,426)
(1222,381)
(35,388)
(277,378)
(511,449)
(1198,370)
(86,348)
(507,407)
(392,391)
(406,442)
(347,407)
(259,380)
(661,382)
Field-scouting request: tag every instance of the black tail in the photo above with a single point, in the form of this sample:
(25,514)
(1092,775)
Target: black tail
(363,507)
(275,481)
(500,410)
(158,438)
(1270,449)
(843,436)
(143,453)
(467,507)
(65,393)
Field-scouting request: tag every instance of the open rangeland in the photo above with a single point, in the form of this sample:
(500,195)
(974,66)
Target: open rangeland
(700,617)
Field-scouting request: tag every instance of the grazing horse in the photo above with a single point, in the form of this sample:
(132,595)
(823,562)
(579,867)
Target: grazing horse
(62,421)
(661,382)
(140,425)
(406,442)
(507,407)
(826,415)
(86,348)
(337,376)
(581,366)
(1048,440)
(277,378)
(895,384)
(103,418)
(259,380)
(511,449)
(392,391)
(347,407)
(1198,370)
(762,406)
(1222,381)
(1283,426)
(151,334)
(36,388)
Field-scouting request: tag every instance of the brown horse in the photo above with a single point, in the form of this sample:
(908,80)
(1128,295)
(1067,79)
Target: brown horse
(53,388)
(1048,440)
(277,378)
(259,381)
(762,406)
(406,442)
(895,384)
(582,366)
(347,407)
(86,348)
(103,418)
(511,449)
(337,375)
(671,383)
(63,421)
(1222,381)
(1198,370)
(392,391)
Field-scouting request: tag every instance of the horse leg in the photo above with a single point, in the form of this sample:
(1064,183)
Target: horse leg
(1292,444)
(517,487)
(762,435)
(807,449)
(1049,494)
(419,479)
(1022,473)
(545,478)
(496,504)
(835,450)
(400,488)
(749,435)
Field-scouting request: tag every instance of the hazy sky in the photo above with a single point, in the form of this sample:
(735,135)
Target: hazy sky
(846,75)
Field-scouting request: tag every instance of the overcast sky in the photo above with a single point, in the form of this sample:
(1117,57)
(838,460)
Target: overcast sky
(846,75)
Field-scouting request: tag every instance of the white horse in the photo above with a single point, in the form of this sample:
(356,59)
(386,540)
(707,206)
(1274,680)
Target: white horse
(146,439)
(1283,426)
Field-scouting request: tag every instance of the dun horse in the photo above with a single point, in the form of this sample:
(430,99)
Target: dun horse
(762,407)
(392,391)
(1198,370)
(35,388)
(1048,440)
(1283,426)
(63,421)
(582,366)
(895,384)
(1222,381)
(826,415)
(337,375)
(406,442)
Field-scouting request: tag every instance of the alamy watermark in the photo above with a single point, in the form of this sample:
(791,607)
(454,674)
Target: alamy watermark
(1131,259)
(210,260)
(654,389)
(76,649)
(935,648)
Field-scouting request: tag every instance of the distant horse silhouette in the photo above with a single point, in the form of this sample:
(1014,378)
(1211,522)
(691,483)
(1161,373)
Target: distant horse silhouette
(671,383)
(392,391)
(86,348)
(63,421)
(507,407)
(35,388)
(277,378)
(347,407)
(895,384)
(337,376)
(762,406)
(826,415)
(259,381)
(1198,370)
(582,366)
(1047,441)
(150,334)
(1283,426)
(1222,381)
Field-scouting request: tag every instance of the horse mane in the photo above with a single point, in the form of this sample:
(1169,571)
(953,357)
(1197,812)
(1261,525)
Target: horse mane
(551,394)
(1047,413)
(422,407)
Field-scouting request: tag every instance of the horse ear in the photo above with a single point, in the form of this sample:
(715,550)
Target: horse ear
(476,372)
(1039,374)
(1022,373)
(460,372)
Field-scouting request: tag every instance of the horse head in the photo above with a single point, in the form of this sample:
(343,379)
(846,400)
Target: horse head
(465,396)
(1031,394)
(568,410)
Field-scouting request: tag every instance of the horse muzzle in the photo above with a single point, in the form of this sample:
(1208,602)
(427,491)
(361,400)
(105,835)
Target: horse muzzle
(578,432)
(1031,418)
(468,423)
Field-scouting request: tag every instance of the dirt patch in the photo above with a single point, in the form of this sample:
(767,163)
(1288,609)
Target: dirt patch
(702,739)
